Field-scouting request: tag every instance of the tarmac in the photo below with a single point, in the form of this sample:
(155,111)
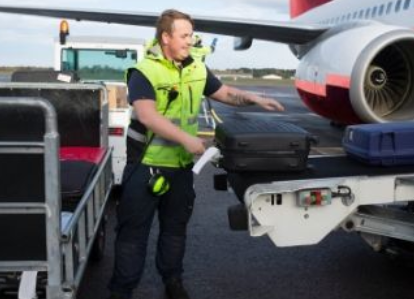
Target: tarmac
(224,264)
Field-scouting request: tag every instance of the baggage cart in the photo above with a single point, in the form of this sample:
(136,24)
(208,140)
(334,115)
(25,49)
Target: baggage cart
(44,240)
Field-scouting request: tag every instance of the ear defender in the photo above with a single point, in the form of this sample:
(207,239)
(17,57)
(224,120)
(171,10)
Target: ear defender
(158,184)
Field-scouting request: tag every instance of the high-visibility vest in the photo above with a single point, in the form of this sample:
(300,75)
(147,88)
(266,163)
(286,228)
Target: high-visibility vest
(200,53)
(188,84)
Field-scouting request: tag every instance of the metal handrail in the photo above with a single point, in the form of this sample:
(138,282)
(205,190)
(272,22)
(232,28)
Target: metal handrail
(71,226)
(45,105)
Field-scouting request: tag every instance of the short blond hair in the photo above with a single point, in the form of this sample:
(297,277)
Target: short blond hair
(166,20)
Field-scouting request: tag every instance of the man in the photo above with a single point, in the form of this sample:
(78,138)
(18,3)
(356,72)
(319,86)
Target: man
(165,90)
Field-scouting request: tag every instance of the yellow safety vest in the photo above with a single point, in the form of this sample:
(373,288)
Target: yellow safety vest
(188,84)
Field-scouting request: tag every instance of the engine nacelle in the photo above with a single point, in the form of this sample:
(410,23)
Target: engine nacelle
(360,74)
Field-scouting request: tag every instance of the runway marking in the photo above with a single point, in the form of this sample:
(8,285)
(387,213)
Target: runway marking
(277,114)
(327,150)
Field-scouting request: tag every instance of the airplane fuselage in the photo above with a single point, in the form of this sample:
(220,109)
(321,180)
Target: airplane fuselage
(361,69)
(356,57)
(395,12)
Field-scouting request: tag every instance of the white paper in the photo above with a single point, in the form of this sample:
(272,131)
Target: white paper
(65,218)
(211,154)
(64,78)
(27,287)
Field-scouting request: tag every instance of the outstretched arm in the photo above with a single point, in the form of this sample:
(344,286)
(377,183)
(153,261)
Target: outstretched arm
(236,97)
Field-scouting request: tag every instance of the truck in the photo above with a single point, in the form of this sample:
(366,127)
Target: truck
(104,60)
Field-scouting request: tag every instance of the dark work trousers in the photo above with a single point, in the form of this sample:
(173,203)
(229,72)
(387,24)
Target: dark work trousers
(136,211)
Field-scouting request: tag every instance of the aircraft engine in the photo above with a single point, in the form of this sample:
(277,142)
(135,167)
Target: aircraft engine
(362,74)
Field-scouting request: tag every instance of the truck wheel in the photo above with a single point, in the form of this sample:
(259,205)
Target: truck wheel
(98,247)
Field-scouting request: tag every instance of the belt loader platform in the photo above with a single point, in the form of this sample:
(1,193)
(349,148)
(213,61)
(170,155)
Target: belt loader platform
(296,209)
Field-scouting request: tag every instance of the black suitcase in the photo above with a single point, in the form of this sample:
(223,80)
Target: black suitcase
(75,178)
(262,144)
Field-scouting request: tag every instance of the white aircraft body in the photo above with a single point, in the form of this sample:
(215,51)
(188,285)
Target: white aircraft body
(356,57)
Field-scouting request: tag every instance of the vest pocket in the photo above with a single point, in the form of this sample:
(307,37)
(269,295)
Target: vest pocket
(191,98)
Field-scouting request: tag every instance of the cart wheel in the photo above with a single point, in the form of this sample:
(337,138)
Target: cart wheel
(98,248)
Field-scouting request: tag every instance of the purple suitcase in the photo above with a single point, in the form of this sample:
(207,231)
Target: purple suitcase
(381,144)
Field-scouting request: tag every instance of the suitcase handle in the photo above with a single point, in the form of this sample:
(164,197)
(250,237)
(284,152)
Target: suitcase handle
(314,140)
(384,141)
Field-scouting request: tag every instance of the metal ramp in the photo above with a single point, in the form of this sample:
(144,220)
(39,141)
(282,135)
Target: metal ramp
(383,221)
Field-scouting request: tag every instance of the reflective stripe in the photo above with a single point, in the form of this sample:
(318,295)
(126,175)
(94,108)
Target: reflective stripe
(136,136)
(193,120)
(164,142)
(176,121)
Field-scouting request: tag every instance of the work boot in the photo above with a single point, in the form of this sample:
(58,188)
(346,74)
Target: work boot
(175,289)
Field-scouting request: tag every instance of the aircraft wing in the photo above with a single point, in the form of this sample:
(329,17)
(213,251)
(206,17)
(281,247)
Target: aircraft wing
(284,32)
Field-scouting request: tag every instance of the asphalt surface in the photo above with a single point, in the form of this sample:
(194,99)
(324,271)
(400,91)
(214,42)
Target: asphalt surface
(223,264)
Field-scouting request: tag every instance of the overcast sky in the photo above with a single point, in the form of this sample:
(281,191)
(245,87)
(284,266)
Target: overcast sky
(28,40)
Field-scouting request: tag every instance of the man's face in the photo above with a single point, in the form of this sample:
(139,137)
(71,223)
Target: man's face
(177,45)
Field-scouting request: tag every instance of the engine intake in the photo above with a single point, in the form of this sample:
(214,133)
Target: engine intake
(382,79)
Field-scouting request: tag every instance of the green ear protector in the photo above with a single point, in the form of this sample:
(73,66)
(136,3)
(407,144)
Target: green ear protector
(158,184)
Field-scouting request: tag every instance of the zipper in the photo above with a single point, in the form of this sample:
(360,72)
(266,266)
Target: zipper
(191,99)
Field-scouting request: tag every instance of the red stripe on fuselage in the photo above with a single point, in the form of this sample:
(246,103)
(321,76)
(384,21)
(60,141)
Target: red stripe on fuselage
(338,80)
(311,87)
(330,100)
(320,89)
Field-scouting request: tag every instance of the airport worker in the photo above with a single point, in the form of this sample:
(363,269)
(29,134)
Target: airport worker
(165,90)
(199,51)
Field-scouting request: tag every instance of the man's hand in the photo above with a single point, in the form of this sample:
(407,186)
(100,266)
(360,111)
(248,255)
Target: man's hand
(194,145)
(269,104)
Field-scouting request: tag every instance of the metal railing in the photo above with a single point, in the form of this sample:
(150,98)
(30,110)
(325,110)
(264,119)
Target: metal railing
(67,248)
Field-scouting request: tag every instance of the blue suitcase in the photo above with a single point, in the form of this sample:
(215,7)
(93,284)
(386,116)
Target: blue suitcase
(381,144)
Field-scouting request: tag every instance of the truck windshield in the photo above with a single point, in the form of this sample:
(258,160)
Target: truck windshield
(98,64)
